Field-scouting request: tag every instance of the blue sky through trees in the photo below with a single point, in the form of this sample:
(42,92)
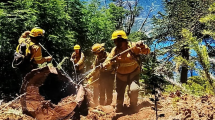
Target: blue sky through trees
(156,5)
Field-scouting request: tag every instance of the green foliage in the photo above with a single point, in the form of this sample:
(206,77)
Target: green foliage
(148,66)
(180,61)
(175,99)
(150,76)
(209,21)
(136,36)
(202,84)
(99,24)
(117,15)
(99,28)
(66,23)
(59,66)
(171,88)
(179,14)
(197,85)
(201,51)
(62,21)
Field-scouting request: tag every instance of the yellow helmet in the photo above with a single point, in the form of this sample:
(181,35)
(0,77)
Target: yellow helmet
(98,47)
(35,32)
(119,34)
(77,47)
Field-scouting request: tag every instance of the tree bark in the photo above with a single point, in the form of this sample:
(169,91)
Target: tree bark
(184,69)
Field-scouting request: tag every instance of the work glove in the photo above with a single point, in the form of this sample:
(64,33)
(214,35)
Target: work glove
(48,58)
(140,45)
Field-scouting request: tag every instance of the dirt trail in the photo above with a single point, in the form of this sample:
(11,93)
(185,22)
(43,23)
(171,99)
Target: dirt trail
(170,107)
(174,106)
(143,112)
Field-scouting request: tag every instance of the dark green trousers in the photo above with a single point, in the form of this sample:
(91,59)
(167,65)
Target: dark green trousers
(133,90)
(106,81)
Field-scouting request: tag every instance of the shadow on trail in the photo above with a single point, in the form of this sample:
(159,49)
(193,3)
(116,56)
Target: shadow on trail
(129,111)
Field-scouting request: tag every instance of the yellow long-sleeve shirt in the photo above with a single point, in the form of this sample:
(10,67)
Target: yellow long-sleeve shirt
(78,60)
(34,50)
(98,60)
(127,62)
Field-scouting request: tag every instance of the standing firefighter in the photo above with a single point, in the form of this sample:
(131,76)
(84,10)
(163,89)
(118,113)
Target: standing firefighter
(29,53)
(104,86)
(78,58)
(127,67)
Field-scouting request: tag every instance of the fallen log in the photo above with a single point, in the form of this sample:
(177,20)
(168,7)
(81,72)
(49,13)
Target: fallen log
(50,95)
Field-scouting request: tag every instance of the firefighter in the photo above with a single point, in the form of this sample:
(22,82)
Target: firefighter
(33,53)
(78,59)
(127,67)
(104,85)
(32,38)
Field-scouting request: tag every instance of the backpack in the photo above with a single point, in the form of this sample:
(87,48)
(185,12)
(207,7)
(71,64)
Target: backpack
(22,56)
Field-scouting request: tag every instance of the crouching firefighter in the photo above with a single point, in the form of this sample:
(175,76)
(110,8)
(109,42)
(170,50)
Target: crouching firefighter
(104,85)
(28,52)
(127,67)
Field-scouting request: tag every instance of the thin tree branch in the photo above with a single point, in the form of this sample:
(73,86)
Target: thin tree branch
(141,27)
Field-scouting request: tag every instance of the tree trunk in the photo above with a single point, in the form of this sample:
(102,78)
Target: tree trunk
(184,70)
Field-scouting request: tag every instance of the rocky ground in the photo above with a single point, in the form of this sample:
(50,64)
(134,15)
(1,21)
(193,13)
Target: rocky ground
(173,106)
